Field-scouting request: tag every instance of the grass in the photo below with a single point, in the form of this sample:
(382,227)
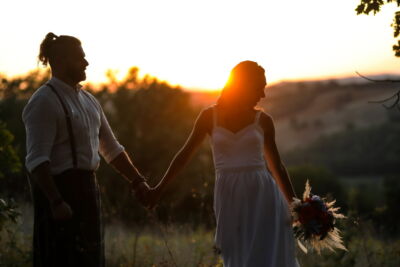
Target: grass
(157,245)
(153,245)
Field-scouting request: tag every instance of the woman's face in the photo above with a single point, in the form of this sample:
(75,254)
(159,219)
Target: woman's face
(254,91)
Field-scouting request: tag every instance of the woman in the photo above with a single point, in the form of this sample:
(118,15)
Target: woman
(252,215)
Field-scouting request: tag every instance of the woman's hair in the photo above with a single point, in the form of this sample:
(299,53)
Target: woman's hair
(53,46)
(241,76)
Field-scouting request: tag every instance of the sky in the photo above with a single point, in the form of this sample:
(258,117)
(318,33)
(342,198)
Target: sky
(195,44)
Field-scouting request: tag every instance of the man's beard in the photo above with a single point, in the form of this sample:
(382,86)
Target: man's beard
(76,75)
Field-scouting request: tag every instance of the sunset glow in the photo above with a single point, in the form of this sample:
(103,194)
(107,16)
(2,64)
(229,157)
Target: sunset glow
(196,43)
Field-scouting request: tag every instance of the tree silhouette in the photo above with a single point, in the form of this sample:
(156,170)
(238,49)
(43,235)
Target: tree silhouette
(374,6)
(9,164)
(395,97)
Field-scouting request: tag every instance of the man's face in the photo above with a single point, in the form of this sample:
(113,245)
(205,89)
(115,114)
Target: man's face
(76,64)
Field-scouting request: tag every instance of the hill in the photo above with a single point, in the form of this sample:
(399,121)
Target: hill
(304,111)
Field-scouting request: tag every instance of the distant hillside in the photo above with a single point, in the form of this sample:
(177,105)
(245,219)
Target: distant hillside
(370,151)
(305,111)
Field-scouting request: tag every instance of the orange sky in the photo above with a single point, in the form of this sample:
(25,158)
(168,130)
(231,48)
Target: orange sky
(196,43)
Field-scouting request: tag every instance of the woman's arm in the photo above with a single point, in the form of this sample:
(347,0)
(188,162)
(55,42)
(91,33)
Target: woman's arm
(200,129)
(273,158)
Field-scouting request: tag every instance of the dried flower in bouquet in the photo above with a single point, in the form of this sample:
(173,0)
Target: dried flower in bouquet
(314,222)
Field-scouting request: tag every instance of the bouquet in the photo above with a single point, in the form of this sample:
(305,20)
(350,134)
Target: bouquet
(314,222)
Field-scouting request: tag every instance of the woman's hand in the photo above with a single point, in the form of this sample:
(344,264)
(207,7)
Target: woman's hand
(200,129)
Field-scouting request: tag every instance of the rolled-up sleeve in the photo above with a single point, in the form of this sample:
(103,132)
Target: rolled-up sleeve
(40,119)
(109,146)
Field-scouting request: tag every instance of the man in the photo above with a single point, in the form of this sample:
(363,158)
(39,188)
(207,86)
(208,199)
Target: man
(66,130)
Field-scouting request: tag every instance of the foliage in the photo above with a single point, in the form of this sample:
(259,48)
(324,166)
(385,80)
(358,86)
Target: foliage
(365,248)
(374,6)
(144,246)
(14,94)
(9,161)
(152,121)
(16,239)
(9,164)
(182,246)
(387,216)
(323,182)
(8,212)
(371,151)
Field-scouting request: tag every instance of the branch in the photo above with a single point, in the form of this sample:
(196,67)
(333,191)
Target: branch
(396,96)
(377,81)
(396,102)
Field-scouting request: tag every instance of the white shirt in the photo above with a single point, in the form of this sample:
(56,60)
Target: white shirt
(47,136)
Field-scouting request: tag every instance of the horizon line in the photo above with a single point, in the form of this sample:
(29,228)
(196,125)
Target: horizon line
(309,79)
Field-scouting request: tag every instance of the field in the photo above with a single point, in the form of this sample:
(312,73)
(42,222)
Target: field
(327,132)
(158,244)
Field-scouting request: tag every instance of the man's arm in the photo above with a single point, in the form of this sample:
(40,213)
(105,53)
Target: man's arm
(42,177)
(123,165)
(115,155)
(40,122)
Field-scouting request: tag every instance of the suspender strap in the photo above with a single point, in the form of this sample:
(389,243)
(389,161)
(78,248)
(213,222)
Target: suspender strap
(69,126)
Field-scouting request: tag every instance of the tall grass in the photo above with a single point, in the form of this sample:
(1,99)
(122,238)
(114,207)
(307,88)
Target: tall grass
(152,245)
(158,245)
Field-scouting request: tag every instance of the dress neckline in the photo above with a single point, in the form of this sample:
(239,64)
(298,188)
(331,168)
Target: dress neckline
(238,132)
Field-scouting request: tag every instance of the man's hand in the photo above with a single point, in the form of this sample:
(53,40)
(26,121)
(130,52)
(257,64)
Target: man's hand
(153,196)
(141,190)
(62,211)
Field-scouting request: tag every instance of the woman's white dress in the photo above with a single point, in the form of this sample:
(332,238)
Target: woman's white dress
(252,215)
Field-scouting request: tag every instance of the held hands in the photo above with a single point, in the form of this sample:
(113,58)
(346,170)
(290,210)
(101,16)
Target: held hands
(140,191)
(147,196)
(153,197)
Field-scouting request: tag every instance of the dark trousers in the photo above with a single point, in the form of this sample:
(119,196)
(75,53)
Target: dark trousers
(75,242)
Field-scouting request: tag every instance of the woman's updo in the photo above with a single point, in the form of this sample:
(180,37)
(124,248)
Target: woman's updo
(241,77)
(53,46)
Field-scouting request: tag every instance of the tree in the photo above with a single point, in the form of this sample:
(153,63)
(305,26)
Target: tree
(322,181)
(9,164)
(152,120)
(374,6)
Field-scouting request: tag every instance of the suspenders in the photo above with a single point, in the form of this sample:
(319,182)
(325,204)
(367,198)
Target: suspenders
(69,127)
